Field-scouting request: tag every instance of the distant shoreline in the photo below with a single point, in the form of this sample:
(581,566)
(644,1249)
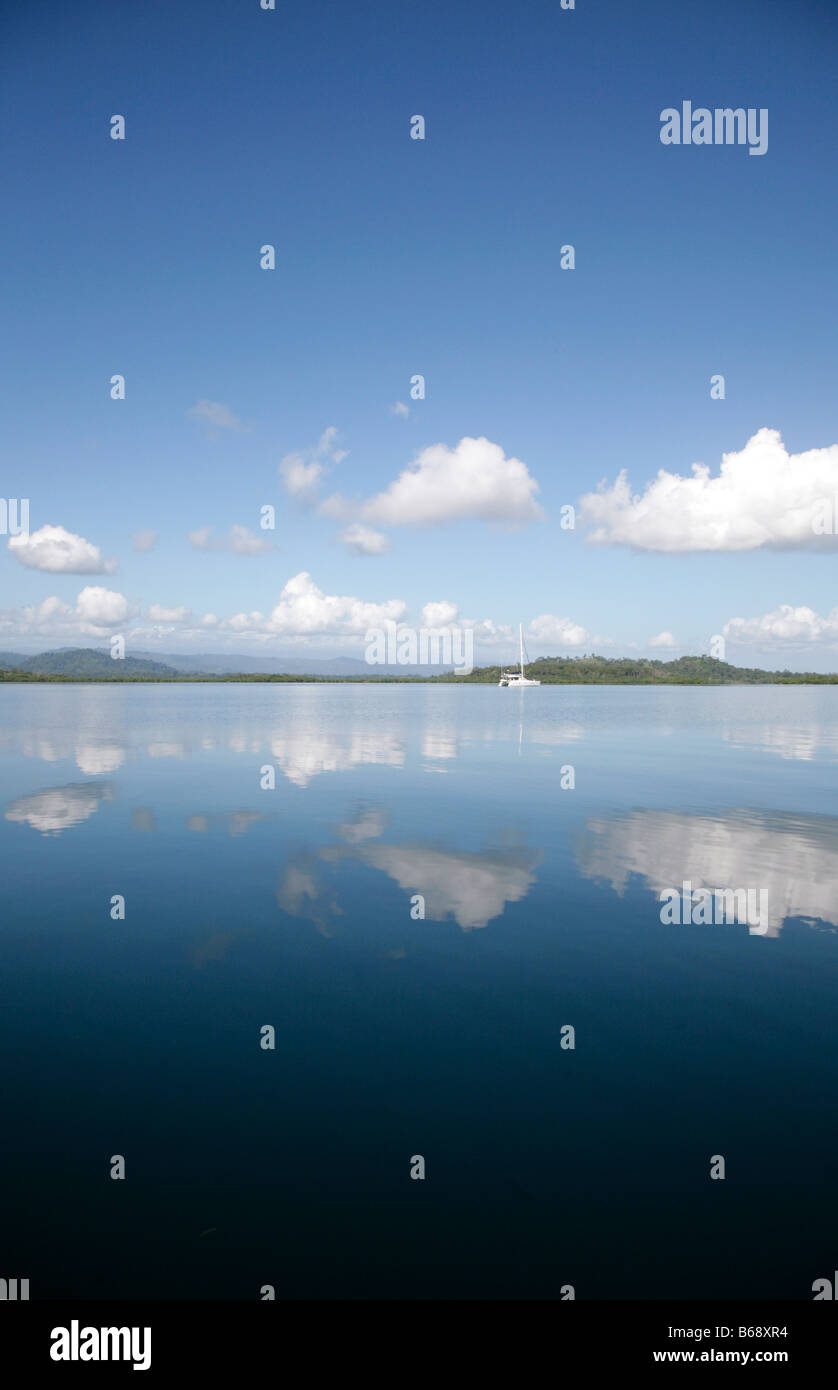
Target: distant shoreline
(771,679)
(90,665)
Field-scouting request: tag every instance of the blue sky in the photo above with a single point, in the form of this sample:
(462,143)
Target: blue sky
(397,257)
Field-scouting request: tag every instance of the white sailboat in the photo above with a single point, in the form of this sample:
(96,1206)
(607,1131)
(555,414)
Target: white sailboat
(517,679)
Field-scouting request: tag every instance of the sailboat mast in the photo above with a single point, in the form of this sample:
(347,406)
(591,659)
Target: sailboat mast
(521,646)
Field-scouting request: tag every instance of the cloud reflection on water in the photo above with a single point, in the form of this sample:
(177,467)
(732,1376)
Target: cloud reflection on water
(58,808)
(793,857)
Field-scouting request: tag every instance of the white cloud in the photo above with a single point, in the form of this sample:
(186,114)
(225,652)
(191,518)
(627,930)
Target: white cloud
(303,472)
(785,626)
(159,614)
(144,541)
(59,552)
(240,541)
(490,633)
(246,622)
(96,612)
(101,607)
(400,409)
(50,610)
(439,614)
(304,615)
(663,639)
(363,540)
(244,542)
(301,477)
(763,496)
(303,608)
(561,631)
(474,481)
(303,611)
(215,414)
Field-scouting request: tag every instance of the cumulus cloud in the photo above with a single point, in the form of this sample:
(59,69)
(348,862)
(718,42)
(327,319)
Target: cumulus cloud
(442,613)
(785,626)
(559,631)
(363,540)
(57,551)
(303,472)
(439,614)
(50,610)
(101,607)
(663,639)
(304,610)
(240,541)
(159,614)
(96,612)
(144,541)
(474,481)
(216,415)
(762,496)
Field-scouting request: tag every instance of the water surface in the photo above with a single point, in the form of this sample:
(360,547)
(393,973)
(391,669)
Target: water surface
(398,1035)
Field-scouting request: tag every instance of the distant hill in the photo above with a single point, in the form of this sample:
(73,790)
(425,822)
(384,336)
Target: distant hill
(86,662)
(219,664)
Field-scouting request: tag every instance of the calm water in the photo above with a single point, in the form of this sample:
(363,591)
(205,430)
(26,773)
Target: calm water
(545,1166)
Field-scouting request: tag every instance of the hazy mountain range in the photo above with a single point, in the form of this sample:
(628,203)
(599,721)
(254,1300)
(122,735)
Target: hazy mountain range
(93,661)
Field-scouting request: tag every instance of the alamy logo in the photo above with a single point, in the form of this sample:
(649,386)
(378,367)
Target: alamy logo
(715,907)
(429,646)
(14,516)
(722,126)
(76,1343)
(12,1290)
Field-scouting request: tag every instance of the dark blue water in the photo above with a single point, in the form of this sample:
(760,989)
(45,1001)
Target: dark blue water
(398,1036)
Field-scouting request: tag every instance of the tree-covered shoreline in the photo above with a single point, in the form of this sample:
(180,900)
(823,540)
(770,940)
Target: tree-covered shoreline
(555,670)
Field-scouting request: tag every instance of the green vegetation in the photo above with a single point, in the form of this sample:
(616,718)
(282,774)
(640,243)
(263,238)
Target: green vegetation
(624,670)
(12,675)
(84,664)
